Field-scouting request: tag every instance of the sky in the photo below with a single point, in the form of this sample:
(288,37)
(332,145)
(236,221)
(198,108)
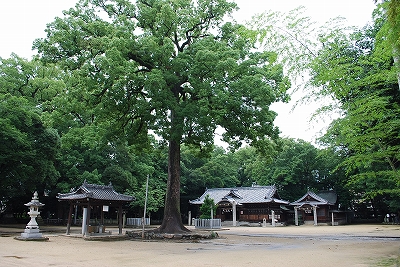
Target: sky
(22,21)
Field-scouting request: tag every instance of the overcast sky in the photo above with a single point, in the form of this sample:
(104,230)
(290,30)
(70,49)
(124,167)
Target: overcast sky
(22,21)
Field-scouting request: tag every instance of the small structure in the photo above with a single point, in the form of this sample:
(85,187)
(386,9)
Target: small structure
(91,196)
(246,204)
(318,208)
(32,228)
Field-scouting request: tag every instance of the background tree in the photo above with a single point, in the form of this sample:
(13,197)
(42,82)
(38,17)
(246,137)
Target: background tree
(171,67)
(37,83)
(218,172)
(294,170)
(251,164)
(391,30)
(359,72)
(27,152)
(29,148)
(295,38)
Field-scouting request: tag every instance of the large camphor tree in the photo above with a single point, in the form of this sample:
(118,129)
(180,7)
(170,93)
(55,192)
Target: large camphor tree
(176,68)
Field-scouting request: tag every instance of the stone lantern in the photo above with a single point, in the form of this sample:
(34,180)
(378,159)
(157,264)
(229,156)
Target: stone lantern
(32,228)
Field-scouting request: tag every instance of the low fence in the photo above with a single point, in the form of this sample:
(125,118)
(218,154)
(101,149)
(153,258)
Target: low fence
(207,223)
(54,221)
(96,221)
(136,221)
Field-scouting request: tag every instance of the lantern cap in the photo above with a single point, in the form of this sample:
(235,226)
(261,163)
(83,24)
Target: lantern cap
(35,201)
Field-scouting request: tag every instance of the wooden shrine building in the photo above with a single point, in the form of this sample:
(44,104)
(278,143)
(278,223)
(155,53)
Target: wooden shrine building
(95,197)
(246,204)
(315,208)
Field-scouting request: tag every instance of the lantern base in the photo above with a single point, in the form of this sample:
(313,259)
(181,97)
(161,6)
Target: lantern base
(43,238)
(31,233)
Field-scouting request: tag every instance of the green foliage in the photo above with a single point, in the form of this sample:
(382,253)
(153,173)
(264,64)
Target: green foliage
(294,170)
(30,79)
(296,40)
(207,207)
(219,171)
(140,77)
(358,71)
(28,150)
(155,195)
(174,68)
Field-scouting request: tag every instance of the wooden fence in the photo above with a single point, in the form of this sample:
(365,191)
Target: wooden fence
(207,223)
(136,221)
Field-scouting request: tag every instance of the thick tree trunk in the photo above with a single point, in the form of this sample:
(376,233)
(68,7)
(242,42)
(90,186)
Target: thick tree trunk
(172,221)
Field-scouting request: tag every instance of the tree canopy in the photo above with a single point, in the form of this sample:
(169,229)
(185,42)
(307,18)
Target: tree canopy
(171,67)
(359,71)
(123,90)
(28,150)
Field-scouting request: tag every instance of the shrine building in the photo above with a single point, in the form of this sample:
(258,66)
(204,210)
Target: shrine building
(321,208)
(95,200)
(247,204)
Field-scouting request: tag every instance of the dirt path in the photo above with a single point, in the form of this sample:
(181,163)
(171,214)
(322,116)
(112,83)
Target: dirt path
(352,245)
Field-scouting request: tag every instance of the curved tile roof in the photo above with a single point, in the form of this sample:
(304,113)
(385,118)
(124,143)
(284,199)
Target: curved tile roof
(242,195)
(312,198)
(97,192)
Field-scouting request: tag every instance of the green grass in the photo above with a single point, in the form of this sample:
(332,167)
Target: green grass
(388,262)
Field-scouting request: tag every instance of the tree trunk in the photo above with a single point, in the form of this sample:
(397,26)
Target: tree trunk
(172,221)
(396,59)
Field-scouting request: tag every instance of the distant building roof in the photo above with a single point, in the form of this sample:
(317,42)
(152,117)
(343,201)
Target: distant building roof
(311,198)
(95,192)
(242,195)
(330,196)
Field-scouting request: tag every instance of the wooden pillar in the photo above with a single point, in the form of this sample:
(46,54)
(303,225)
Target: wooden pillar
(296,216)
(120,220)
(76,214)
(71,207)
(315,215)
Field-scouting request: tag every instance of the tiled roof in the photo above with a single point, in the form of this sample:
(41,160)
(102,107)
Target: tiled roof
(97,192)
(255,194)
(313,199)
(330,196)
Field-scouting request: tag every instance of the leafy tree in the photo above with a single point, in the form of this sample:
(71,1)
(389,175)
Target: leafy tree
(252,165)
(172,67)
(294,170)
(219,171)
(296,39)
(30,79)
(191,184)
(207,207)
(359,72)
(331,177)
(155,195)
(151,161)
(391,32)
(28,149)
